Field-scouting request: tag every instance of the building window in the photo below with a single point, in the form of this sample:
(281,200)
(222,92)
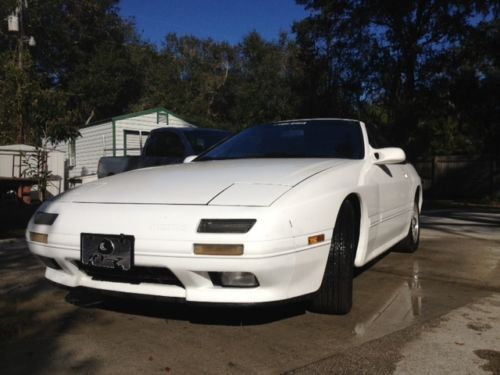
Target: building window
(162,118)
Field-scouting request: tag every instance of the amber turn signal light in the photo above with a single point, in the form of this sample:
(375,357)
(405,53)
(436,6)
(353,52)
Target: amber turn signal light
(39,237)
(316,239)
(216,249)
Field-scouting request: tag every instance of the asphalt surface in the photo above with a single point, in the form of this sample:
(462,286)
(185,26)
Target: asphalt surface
(434,311)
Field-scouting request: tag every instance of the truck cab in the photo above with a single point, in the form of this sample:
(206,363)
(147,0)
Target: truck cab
(163,146)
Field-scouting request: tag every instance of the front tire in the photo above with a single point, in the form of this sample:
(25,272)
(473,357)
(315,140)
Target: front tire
(335,293)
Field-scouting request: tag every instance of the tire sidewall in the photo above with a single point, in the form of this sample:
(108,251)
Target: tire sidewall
(335,293)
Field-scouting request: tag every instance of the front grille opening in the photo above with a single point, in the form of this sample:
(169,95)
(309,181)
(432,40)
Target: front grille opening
(49,262)
(136,275)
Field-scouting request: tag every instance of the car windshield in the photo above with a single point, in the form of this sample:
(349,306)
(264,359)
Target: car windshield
(294,139)
(202,140)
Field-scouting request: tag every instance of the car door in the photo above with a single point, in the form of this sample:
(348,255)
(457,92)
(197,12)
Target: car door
(390,184)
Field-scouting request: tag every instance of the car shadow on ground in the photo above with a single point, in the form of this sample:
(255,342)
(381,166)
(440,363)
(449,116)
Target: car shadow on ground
(198,313)
(195,313)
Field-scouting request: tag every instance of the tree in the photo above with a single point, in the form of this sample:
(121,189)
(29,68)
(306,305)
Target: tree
(216,84)
(425,71)
(187,75)
(263,84)
(394,54)
(334,57)
(81,67)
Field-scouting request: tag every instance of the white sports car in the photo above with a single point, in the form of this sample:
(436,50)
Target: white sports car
(278,211)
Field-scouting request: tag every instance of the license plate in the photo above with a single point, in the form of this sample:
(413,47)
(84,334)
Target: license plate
(108,251)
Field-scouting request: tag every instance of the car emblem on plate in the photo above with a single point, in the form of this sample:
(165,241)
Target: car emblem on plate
(106,246)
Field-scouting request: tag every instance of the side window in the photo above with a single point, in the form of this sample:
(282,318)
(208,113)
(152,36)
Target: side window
(375,138)
(164,144)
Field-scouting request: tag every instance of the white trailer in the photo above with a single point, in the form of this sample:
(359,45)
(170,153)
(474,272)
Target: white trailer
(19,167)
(119,136)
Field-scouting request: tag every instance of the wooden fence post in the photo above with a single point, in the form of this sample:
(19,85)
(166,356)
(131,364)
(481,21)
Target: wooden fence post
(433,175)
(492,178)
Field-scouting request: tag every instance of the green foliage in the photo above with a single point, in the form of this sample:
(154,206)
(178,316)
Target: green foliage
(221,85)
(80,69)
(35,166)
(426,72)
(264,81)
(403,65)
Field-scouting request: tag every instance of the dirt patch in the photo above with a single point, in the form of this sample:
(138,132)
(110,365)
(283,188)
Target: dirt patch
(493,358)
(479,327)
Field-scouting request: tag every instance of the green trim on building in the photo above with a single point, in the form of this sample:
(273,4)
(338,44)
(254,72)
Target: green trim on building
(114,137)
(145,112)
(124,142)
(157,110)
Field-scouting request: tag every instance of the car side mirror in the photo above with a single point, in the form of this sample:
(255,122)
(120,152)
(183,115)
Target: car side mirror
(389,155)
(190,158)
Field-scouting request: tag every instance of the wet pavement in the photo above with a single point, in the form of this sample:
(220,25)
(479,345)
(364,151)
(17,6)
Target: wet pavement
(401,302)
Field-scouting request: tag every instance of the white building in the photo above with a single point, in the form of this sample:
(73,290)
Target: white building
(19,165)
(118,136)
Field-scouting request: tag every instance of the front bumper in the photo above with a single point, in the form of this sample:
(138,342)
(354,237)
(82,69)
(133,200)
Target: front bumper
(281,276)
(285,265)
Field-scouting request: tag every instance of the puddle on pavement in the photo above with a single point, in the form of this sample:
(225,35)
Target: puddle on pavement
(402,306)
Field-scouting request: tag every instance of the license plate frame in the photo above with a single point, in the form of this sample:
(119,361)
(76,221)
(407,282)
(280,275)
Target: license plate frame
(107,251)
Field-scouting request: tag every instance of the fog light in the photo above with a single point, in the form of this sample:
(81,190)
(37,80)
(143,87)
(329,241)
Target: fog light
(234,279)
(39,237)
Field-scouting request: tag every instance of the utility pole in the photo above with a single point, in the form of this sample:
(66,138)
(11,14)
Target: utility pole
(16,24)
(20,41)
(20,35)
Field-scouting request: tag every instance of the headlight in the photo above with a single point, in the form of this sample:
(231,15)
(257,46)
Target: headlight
(45,218)
(225,225)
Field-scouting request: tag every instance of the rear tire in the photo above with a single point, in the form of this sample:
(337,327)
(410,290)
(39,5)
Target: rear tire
(410,243)
(335,293)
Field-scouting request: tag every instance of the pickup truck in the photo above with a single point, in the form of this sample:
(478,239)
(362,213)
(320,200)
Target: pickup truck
(163,146)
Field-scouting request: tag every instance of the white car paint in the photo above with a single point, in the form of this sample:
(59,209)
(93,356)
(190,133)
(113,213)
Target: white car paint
(291,199)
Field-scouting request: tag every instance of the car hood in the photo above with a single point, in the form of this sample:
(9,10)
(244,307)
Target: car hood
(244,182)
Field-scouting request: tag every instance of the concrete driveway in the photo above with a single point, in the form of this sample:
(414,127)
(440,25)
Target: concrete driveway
(434,311)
